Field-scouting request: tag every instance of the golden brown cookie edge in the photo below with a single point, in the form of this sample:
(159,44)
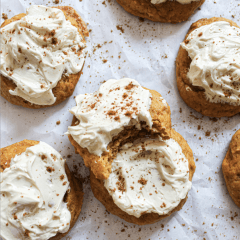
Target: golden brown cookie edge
(231,168)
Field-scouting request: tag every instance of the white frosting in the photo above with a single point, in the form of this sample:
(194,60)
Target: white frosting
(37,49)
(149,176)
(104,114)
(215,53)
(32,191)
(180,1)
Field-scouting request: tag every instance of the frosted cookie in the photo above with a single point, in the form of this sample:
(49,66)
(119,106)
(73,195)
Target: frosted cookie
(40,198)
(42,54)
(162,10)
(231,168)
(207,67)
(150,179)
(104,120)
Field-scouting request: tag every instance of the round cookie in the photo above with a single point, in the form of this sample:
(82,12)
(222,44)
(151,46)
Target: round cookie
(231,168)
(161,118)
(74,198)
(101,193)
(65,87)
(169,11)
(194,96)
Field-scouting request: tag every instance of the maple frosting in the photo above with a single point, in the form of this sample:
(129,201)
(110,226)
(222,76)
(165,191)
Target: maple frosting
(149,176)
(180,1)
(215,67)
(37,50)
(32,192)
(104,113)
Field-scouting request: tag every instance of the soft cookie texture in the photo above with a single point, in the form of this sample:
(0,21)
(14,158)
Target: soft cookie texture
(194,96)
(101,166)
(105,198)
(169,11)
(73,199)
(66,85)
(231,168)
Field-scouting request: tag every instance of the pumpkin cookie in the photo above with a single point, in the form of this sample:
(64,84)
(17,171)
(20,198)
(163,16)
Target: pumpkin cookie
(40,198)
(104,120)
(150,179)
(231,168)
(162,10)
(42,56)
(206,67)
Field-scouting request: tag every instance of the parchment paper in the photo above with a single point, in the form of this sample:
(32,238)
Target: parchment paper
(145,51)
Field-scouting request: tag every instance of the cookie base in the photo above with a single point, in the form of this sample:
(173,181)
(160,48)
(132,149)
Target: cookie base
(74,198)
(231,168)
(65,87)
(193,96)
(101,166)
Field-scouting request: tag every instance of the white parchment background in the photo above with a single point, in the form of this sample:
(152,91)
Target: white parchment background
(145,51)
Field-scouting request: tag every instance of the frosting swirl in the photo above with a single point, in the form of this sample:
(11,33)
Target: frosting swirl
(37,49)
(149,176)
(31,195)
(180,1)
(215,67)
(104,114)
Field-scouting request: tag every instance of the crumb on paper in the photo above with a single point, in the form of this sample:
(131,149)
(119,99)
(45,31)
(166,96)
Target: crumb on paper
(120,28)
(4,16)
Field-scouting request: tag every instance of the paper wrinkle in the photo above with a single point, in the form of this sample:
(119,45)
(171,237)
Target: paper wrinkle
(143,62)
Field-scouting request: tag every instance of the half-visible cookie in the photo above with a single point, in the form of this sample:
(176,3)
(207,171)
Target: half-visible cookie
(150,179)
(42,56)
(40,198)
(207,67)
(104,120)
(162,10)
(231,168)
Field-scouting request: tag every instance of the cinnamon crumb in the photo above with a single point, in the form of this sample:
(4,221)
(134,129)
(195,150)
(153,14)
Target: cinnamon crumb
(129,86)
(142,181)
(124,95)
(163,205)
(54,40)
(111,112)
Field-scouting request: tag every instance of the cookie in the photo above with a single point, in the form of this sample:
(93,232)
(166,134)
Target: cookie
(168,11)
(198,76)
(231,168)
(72,198)
(40,85)
(112,115)
(102,194)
